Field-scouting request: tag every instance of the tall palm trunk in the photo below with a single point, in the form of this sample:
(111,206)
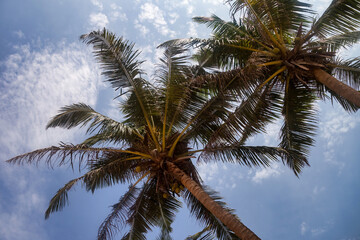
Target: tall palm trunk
(338,87)
(223,215)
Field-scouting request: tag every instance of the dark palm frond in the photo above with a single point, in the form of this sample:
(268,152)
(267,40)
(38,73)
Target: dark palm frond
(150,210)
(283,15)
(207,218)
(347,106)
(111,169)
(220,27)
(62,155)
(115,220)
(336,42)
(117,57)
(164,234)
(122,69)
(341,16)
(250,117)
(244,155)
(58,202)
(299,124)
(348,71)
(200,235)
(81,114)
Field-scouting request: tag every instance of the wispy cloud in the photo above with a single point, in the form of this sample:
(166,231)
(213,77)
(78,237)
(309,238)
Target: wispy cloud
(265,173)
(154,15)
(98,20)
(34,85)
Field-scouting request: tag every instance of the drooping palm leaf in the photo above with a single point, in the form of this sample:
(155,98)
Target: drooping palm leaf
(205,217)
(117,218)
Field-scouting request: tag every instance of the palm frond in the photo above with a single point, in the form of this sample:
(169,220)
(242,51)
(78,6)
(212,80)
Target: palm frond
(58,202)
(199,235)
(205,217)
(122,69)
(348,71)
(80,114)
(341,16)
(336,42)
(150,210)
(285,15)
(118,216)
(299,124)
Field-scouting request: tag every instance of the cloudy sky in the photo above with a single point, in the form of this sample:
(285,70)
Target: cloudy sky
(44,66)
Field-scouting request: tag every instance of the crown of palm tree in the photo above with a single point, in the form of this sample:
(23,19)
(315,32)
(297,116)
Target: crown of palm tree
(167,122)
(297,54)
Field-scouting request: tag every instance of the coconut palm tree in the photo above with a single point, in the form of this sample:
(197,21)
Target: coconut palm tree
(166,122)
(297,54)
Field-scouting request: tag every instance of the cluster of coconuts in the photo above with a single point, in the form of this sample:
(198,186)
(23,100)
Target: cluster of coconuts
(176,188)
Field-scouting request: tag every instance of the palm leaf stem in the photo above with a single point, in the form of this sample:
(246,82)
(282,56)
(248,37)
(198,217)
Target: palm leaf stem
(282,69)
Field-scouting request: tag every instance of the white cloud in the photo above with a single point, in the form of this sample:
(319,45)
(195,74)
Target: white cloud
(35,84)
(265,173)
(317,190)
(336,124)
(303,228)
(117,12)
(192,30)
(98,20)
(143,30)
(19,34)
(153,14)
(173,17)
(98,4)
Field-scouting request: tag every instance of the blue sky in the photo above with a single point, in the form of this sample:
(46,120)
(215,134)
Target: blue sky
(43,66)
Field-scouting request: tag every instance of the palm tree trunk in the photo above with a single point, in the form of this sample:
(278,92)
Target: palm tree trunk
(223,215)
(338,87)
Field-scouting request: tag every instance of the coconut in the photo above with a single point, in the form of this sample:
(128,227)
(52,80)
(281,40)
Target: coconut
(138,169)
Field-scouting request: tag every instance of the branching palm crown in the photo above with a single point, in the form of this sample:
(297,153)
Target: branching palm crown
(297,55)
(180,115)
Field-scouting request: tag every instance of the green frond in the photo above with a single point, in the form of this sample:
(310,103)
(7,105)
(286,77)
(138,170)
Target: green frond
(284,15)
(205,217)
(250,117)
(150,210)
(341,16)
(58,202)
(117,218)
(117,58)
(348,71)
(80,114)
(339,41)
(299,123)
(122,69)
(199,235)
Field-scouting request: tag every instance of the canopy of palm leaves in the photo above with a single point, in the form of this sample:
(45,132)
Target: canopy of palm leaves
(179,115)
(297,55)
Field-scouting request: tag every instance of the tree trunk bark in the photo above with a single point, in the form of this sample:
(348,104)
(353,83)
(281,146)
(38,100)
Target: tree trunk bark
(223,215)
(338,87)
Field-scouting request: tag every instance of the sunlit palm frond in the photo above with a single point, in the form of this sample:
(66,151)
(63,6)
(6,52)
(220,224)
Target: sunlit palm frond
(205,217)
(81,114)
(122,69)
(341,16)
(117,218)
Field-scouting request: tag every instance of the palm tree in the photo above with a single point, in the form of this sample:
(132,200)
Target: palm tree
(166,122)
(297,55)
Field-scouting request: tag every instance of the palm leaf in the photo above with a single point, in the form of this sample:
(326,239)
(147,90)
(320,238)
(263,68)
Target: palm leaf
(341,16)
(299,124)
(118,216)
(81,114)
(122,69)
(205,217)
